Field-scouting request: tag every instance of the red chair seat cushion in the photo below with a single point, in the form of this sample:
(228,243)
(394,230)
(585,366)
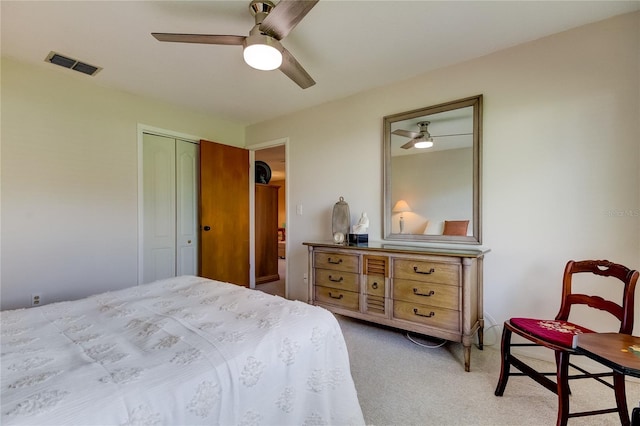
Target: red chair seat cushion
(554,331)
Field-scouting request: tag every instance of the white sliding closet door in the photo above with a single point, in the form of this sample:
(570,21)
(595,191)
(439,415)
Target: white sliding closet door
(170,194)
(186,208)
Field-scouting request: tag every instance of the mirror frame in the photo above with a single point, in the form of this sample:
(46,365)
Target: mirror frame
(476,238)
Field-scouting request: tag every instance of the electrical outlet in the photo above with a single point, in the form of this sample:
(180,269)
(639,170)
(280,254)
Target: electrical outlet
(36,299)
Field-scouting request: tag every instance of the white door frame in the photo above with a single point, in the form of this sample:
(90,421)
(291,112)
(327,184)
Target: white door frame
(252,207)
(144,128)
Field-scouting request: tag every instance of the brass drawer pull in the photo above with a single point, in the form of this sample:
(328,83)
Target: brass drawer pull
(429,272)
(335,280)
(335,262)
(417,293)
(374,286)
(336,297)
(431,314)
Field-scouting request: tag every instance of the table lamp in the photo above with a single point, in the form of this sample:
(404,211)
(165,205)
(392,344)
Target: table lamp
(401,207)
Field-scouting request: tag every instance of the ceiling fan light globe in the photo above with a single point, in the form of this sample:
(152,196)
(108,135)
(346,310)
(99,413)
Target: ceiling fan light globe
(423,144)
(262,53)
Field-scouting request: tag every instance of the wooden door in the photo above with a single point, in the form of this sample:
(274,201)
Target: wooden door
(224,213)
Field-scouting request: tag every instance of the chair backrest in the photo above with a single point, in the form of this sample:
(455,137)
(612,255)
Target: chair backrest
(624,275)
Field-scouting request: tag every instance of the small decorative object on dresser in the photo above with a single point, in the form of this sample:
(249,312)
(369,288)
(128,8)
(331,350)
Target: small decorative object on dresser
(363,224)
(429,290)
(340,221)
(359,235)
(358,239)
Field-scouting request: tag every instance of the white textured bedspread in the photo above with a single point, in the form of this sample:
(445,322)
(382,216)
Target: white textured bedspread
(182,351)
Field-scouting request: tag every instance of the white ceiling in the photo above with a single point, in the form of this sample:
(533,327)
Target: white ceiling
(346,46)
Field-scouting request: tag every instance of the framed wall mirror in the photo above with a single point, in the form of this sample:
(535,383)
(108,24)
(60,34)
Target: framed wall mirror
(432,171)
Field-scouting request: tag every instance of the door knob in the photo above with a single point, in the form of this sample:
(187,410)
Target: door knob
(207,228)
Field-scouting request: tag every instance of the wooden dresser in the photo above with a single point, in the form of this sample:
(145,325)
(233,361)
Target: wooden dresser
(427,290)
(266,233)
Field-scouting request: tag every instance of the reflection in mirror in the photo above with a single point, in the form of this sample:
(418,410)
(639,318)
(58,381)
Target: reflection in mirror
(432,173)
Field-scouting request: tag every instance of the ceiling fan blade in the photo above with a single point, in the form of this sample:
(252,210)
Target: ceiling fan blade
(292,69)
(200,38)
(406,133)
(285,16)
(409,144)
(455,134)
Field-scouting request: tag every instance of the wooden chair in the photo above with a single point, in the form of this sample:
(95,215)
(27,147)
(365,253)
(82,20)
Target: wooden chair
(557,335)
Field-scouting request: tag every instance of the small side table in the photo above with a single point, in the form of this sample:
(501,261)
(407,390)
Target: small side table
(612,350)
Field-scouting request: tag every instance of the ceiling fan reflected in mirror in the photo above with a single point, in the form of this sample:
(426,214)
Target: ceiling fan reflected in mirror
(421,139)
(262,48)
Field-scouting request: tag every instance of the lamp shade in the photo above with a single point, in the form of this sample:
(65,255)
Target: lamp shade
(401,207)
(262,52)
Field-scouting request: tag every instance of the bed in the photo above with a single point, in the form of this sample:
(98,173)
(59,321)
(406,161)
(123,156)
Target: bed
(181,351)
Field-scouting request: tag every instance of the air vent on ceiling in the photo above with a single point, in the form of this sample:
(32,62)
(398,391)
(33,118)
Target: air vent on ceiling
(74,64)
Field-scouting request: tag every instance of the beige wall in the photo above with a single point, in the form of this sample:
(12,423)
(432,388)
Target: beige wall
(561,152)
(70,178)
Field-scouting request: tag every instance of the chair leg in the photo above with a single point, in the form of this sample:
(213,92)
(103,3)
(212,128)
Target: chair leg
(621,398)
(505,351)
(562,381)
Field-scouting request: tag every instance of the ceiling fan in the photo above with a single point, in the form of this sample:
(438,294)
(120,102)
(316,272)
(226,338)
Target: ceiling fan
(422,138)
(262,47)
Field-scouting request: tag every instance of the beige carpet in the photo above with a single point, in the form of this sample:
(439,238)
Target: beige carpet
(276,287)
(401,383)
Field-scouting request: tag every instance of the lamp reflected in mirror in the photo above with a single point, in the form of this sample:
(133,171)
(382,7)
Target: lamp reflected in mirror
(401,207)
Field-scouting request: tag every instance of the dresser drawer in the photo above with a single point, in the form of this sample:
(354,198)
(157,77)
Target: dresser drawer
(425,271)
(375,285)
(336,261)
(444,296)
(337,279)
(339,298)
(427,315)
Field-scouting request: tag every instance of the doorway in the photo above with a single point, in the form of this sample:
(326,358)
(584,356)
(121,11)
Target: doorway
(274,156)
(277,158)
